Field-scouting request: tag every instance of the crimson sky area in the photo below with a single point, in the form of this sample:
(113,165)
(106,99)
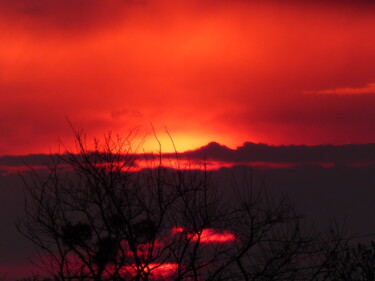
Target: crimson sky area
(230,71)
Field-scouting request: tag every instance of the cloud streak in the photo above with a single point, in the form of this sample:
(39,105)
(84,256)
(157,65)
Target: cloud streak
(252,152)
(368,89)
(216,156)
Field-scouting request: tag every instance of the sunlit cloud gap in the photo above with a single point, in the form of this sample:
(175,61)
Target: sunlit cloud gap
(208,236)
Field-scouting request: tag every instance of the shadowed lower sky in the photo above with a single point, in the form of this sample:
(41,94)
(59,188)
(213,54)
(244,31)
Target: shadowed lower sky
(296,72)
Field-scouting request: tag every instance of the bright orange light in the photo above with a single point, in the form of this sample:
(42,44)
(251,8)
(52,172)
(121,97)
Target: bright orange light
(155,270)
(177,229)
(208,235)
(177,142)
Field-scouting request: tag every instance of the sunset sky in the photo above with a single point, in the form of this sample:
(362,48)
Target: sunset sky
(230,71)
(283,85)
(225,71)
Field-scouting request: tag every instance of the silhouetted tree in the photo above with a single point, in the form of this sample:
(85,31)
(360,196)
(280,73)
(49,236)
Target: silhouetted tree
(352,263)
(97,216)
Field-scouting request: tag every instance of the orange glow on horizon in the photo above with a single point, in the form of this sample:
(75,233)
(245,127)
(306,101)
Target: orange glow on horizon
(179,142)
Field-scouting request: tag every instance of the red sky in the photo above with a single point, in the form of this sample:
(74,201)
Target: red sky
(300,72)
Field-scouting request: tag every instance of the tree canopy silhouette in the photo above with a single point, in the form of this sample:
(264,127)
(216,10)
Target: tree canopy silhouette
(96,215)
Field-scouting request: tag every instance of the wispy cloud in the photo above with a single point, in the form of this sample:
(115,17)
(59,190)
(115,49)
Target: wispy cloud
(367,89)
